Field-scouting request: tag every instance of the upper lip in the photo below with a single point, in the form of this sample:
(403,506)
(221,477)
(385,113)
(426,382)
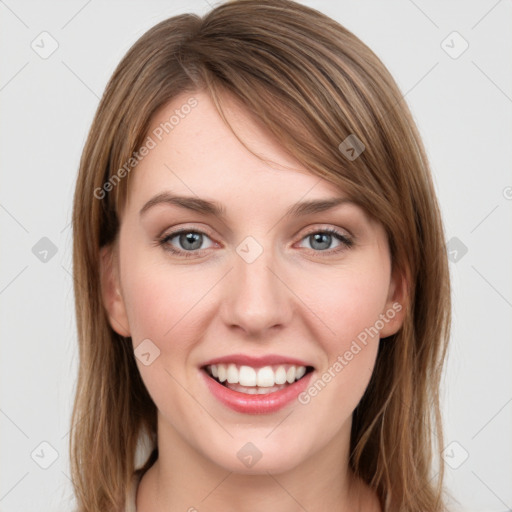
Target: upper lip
(256,361)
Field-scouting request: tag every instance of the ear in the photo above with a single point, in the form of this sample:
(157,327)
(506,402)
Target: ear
(396,304)
(111,290)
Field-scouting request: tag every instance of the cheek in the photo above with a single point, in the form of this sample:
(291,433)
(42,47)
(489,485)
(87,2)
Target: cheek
(349,304)
(165,302)
(347,301)
(161,304)
(158,303)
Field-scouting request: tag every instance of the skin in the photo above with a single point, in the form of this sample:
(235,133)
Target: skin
(294,299)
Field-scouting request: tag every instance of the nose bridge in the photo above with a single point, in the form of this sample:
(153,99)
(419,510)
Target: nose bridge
(256,298)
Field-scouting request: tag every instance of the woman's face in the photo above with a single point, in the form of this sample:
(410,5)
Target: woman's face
(252,285)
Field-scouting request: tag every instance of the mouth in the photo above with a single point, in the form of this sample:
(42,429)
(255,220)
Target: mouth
(250,380)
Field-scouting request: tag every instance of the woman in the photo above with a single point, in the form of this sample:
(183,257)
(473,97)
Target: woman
(290,357)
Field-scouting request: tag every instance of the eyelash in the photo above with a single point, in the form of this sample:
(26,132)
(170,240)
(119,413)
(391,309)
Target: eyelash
(346,242)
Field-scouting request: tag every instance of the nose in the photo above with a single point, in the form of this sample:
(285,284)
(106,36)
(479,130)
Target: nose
(256,297)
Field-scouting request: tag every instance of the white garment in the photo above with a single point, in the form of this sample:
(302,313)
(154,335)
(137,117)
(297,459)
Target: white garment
(145,445)
(131,494)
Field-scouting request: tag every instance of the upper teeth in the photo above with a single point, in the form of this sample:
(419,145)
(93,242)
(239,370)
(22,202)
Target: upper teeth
(266,376)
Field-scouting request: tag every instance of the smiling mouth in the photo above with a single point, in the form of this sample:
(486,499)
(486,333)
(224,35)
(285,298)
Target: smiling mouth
(256,381)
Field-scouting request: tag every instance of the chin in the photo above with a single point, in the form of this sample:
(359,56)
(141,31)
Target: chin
(259,456)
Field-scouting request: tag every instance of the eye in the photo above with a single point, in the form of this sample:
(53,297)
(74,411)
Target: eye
(321,240)
(189,241)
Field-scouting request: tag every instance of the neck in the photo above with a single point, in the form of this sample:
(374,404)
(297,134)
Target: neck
(184,479)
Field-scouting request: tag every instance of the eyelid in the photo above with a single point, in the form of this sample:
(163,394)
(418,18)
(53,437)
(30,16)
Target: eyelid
(328,227)
(175,231)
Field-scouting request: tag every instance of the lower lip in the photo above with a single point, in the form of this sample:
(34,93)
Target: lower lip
(256,404)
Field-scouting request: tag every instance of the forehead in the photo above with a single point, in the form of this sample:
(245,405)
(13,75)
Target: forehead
(194,153)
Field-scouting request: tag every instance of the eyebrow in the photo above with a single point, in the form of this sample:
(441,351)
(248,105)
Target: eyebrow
(212,208)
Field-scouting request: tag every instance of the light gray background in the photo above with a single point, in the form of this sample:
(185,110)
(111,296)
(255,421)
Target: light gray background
(463,107)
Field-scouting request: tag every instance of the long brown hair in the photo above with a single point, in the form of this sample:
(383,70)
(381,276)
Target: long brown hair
(312,83)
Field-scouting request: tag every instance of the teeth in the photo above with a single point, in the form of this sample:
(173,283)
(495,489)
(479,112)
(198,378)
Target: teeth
(266,377)
(232,374)
(280,376)
(255,390)
(301,371)
(221,371)
(249,377)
